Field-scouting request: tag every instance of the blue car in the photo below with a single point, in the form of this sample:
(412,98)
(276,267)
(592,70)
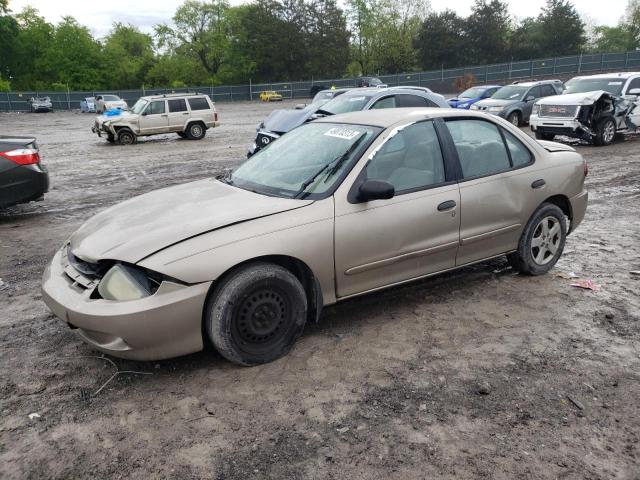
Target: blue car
(473,95)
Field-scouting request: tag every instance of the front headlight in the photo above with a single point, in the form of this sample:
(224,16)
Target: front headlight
(495,109)
(123,282)
(536,109)
(463,105)
(475,107)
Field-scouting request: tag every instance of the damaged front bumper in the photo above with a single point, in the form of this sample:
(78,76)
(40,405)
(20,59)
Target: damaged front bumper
(568,127)
(164,325)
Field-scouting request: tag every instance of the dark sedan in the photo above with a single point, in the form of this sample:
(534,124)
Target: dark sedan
(22,176)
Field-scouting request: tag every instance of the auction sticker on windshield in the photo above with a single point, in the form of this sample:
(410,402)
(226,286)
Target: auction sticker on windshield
(344,133)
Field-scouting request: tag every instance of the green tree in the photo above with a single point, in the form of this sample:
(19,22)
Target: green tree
(525,40)
(327,39)
(9,31)
(441,41)
(487,31)
(563,29)
(34,39)
(127,55)
(613,39)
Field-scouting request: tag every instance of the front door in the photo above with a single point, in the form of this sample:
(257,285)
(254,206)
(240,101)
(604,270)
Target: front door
(382,242)
(154,119)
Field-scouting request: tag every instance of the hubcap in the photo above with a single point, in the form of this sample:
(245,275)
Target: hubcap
(196,130)
(546,240)
(609,132)
(514,120)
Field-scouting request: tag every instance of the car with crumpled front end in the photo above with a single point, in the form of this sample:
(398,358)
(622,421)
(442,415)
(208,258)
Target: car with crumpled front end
(515,102)
(593,108)
(339,207)
(280,122)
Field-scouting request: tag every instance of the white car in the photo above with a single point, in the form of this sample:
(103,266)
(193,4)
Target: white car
(109,102)
(593,108)
(88,105)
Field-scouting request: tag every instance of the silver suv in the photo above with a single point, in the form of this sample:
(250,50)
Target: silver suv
(187,114)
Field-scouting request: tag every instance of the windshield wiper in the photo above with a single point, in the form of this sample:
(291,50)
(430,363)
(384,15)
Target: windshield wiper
(336,163)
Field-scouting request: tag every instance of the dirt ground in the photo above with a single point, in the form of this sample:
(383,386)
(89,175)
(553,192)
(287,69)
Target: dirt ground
(479,373)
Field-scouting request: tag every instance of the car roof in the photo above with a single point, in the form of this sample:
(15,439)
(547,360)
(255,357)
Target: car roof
(346,89)
(176,95)
(625,75)
(386,117)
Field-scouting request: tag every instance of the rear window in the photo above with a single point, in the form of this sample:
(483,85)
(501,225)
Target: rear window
(199,103)
(177,105)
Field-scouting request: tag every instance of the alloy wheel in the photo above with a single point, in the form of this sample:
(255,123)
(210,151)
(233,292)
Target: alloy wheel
(546,240)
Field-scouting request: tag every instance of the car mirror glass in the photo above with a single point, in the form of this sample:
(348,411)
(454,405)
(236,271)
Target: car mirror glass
(375,190)
(634,91)
(530,98)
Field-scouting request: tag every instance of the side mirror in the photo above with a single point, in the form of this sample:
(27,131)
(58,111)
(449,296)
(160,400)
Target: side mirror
(634,91)
(300,106)
(375,190)
(530,98)
(145,113)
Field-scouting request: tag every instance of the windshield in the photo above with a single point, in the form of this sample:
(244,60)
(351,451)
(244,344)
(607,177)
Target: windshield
(472,93)
(511,92)
(323,96)
(346,104)
(312,156)
(139,106)
(110,98)
(583,85)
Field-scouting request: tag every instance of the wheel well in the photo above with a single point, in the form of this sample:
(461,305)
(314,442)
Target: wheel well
(297,267)
(564,204)
(117,128)
(191,122)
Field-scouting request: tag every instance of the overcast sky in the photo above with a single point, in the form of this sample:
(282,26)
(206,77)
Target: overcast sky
(99,16)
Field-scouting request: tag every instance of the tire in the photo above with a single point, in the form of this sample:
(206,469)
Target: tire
(195,131)
(241,314)
(126,137)
(514,119)
(542,241)
(545,136)
(111,138)
(605,132)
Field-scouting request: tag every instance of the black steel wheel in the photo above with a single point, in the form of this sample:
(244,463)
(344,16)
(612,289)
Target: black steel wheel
(256,314)
(126,137)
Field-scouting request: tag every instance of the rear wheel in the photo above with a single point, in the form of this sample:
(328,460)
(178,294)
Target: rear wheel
(514,119)
(195,131)
(542,241)
(605,132)
(545,136)
(256,314)
(126,137)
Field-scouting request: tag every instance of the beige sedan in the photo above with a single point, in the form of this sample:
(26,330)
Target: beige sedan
(339,207)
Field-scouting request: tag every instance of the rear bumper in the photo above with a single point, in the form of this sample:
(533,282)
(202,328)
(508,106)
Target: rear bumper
(164,325)
(578,209)
(22,184)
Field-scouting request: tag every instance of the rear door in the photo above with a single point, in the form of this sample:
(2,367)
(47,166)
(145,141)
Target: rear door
(382,242)
(496,188)
(178,114)
(155,118)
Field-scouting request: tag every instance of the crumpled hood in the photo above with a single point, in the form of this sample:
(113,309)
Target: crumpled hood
(586,98)
(127,116)
(282,121)
(494,102)
(137,228)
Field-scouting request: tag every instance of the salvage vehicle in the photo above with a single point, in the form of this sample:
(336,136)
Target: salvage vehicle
(88,105)
(339,207)
(270,96)
(370,82)
(323,96)
(187,114)
(109,102)
(40,104)
(473,95)
(593,108)
(280,122)
(515,102)
(23,178)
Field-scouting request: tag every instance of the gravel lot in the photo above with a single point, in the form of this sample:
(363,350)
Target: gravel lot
(477,373)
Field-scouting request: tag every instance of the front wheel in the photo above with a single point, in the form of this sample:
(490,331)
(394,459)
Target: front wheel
(126,137)
(605,132)
(514,119)
(256,314)
(542,241)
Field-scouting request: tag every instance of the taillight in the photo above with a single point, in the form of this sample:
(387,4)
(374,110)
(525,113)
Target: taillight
(585,167)
(22,156)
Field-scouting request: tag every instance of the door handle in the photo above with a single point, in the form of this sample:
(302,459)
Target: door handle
(165,115)
(448,205)
(186,113)
(538,183)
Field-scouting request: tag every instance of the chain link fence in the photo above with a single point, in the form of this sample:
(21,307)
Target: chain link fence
(438,80)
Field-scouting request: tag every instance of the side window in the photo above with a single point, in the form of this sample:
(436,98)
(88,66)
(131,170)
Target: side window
(480,147)
(199,103)
(635,83)
(386,102)
(156,108)
(410,160)
(411,101)
(177,105)
(520,155)
(535,92)
(548,90)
